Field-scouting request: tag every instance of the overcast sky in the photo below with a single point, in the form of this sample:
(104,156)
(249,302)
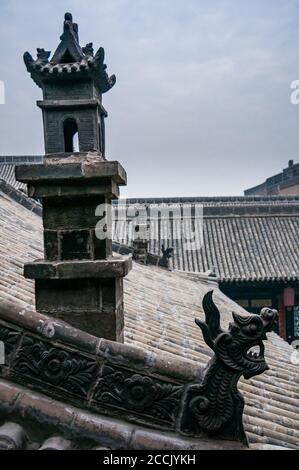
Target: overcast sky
(202,100)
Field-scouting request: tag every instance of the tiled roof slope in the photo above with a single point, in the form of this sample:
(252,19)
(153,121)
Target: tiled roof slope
(245,239)
(7,173)
(20,197)
(160,307)
(7,168)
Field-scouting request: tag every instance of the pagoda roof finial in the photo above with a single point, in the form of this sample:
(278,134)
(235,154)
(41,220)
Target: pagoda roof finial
(70,61)
(69,50)
(68,17)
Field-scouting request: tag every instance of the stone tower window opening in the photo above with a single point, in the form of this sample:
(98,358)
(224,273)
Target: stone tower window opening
(71,136)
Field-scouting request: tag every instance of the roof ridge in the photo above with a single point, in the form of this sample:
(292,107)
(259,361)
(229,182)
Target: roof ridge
(19,197)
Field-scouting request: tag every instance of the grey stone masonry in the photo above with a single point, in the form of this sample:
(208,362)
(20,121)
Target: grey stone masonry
(79,280)
(140,250)
(140,244)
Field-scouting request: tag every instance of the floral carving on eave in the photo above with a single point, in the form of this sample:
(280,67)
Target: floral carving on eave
(138,394)
(39,360)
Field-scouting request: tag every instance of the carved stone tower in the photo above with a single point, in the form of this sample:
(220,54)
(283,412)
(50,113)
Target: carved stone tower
(79,281)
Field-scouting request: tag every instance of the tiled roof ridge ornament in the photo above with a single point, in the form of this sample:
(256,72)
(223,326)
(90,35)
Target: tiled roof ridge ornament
(69,60)
(216,405)
(69,48)
(167,253)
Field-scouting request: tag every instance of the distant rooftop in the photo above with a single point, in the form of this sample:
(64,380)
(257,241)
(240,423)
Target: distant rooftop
(286,182)
(14,159)
(216,201)
(246,238)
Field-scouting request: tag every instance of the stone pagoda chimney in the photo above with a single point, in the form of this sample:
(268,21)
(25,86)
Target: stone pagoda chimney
(79,280)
